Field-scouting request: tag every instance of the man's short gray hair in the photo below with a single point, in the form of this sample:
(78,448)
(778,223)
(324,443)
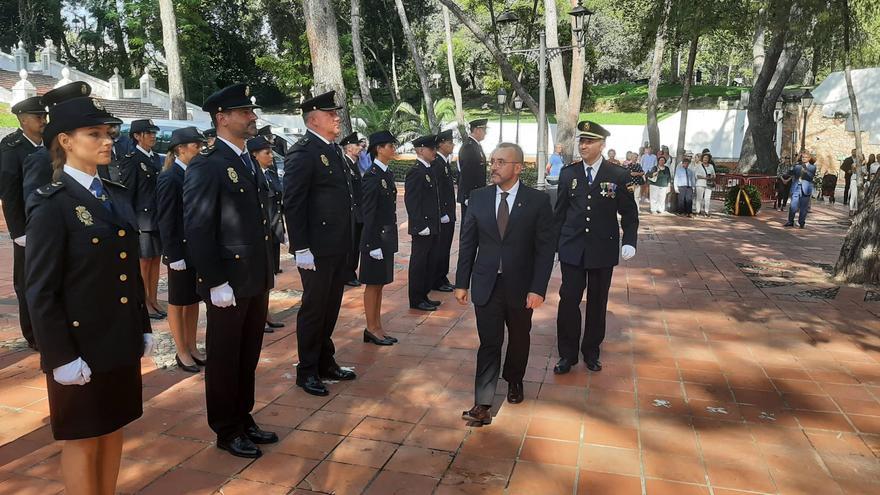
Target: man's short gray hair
(520,157)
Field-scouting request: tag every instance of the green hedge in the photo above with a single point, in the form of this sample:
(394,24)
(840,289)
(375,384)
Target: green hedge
(529,176)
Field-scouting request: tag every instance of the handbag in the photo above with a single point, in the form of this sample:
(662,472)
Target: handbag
(710,183)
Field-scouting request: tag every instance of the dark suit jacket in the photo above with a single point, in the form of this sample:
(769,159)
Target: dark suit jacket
(139,172)
(380,211)
(472,162)
(446,183)
(37,172)
(276,205)
(169,199)
(525,253)
(586,217)
(14,149)
(422,199)
(356,188)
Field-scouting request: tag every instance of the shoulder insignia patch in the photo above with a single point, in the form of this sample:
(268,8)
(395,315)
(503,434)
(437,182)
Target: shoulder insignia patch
(130,154)
(114,184)
(303,141)
(207,150)
(50,189)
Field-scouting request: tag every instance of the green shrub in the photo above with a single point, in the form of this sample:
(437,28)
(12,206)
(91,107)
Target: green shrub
(754,198)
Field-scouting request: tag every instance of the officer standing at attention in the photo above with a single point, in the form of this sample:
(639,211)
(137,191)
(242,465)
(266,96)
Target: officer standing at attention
(139,171)
(472,163)
(442,169)
(422,200)
(351,148)
(592,192)
(318,205)
(210,135)
(226,228)
(14,149)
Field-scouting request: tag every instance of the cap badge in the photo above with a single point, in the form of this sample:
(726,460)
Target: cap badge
(574,183)
(84,90)
(96,103)
(151,122)
(84,216)
(325,160)
(247,90)
(233,175)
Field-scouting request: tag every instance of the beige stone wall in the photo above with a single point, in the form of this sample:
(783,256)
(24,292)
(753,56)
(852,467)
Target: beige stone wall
(829,139)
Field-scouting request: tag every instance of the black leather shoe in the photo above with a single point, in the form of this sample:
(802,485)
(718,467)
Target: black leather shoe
(274,324)
(801,225)
(240,446)
(373,339)
(200,362)
(338,373)
(268,329)
(563,366)
(594,365)
(353,283)
(155,316)
(187,367)
(788,224)
(515,392)
(444,288)
(33,346)
(423,306)
(260,436)
(433,302)
(313,385)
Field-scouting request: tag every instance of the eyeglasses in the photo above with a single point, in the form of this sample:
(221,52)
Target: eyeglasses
(498,163)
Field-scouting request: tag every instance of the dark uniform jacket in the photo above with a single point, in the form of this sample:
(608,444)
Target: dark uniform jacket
(422,199)
(85,292)
(525,253)
(139,172)
(589,233)
(225,221)
(37,171)
(380,211)
(274,193)
(318,203)
(446,186)
(472,162)
(169,199)
(356,188)
(14,148)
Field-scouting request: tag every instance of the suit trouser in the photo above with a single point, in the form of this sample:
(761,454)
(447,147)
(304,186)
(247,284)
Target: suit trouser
(501,309)
(321,300)
(234,337)
(440,263)
(355,258)
(420,270)
(276,256)
(597,282)
(658,197)
(463,213)
(18,284)
(800,203)
(847,177)
(685,199)
(703,199)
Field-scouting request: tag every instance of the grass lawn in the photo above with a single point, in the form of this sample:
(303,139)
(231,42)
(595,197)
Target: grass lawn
(632,90)
(6,117)
(603,118)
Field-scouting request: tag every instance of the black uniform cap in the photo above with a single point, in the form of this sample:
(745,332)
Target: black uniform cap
(34,104)
(429,141)
(478,123)
(444,136)
(381,137)
(350,139)
(326,102)
(66,92)
(186,135)
(266,130)
(258,143)
(591,130)
(234,96)
(76,113)
(210,133)
(142,125)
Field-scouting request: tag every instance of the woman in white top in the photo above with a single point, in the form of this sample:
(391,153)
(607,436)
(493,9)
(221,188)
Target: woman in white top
(705,174)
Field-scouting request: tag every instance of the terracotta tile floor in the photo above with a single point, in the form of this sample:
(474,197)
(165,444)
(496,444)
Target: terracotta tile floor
(733,365)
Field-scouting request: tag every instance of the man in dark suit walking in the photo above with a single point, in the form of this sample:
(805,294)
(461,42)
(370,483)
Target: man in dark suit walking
(592,192)
(506,252)
(471,163)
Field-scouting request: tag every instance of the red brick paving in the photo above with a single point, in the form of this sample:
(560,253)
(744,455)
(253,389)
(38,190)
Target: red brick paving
(731,367)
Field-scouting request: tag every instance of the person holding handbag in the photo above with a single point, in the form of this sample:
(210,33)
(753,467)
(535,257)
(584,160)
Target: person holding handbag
(705,174)
(659,178)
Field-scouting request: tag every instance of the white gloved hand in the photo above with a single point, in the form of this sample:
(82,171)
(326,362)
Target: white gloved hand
(426,231)
(376,254)
(148,344)
(222,296)
(444,219)
(19,240)
(465,202)
(76,372)
(305,259)
(179,265)
(286,240)
(627,252)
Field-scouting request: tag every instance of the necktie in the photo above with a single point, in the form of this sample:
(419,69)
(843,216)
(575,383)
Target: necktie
(98,190)
(503,214)
(247,163)
(590,175)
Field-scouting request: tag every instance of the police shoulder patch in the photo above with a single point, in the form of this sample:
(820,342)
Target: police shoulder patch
(130,154)
(113,184)
(12,140)
(50,189)
(572,163)
(303,141)
(207,150)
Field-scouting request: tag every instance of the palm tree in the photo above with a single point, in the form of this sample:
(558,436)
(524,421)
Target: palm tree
(402,120)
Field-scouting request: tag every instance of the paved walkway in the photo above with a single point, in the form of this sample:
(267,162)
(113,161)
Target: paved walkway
(733,365)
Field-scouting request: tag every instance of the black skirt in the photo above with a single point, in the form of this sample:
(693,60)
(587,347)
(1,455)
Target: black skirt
(111,400)
(150,244)
(377,272)
(182,287)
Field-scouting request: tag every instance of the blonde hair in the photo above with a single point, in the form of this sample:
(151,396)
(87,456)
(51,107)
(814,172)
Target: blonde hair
(58,157)
(169,158)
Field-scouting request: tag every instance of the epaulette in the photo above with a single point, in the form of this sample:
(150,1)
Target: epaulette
(50,189)
(207,150)
(130,154)
(114,184)
(12,140)
(572,163)
(303,141)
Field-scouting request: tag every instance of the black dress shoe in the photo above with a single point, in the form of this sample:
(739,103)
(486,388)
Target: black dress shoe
(563,366)
(240,446)
(200,362)
(274,324)
(478,414)
(155,316)
(369,337)
(433,302)
(423,306)
(594,365)
(33,345)
(788,224)
(313,385)
(515,392)
(191,368)
(260,436)
(444,288)
(268,330)
(338,373)
(353,283)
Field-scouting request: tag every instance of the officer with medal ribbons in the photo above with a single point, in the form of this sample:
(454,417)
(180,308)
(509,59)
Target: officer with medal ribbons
(471,163)
(442,169)
(14,150)
(318,206)
(86,298)
(227,234)
(592,193)
(422,200)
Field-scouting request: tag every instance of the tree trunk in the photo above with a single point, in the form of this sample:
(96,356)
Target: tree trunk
(420,68)
(566,122)
(453,79)
(388,83)
(363,83)
(675,66)
(324,48)
(396,88)
(654,82)
(685,97)
(172,59)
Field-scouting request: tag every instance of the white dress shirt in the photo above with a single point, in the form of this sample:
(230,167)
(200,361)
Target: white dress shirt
(36,145)
(148,153)
(380,164)
(595,167)
(180,163)
(81,177)
(511,197)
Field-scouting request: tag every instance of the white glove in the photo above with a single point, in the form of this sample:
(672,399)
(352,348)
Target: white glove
(179,265)
(76,372)
(19,240)
(286,240)
(627,252)
(222,296)
(376,254)
(465,202)
(426,231)
(305,259)
(444,219)
(148,344)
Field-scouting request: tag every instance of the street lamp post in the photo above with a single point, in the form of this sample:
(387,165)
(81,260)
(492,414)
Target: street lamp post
(517,104)
(502,99)
(806,103)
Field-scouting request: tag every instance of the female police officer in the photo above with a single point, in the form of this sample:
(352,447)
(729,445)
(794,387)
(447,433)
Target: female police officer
(86,297)
(379,237)
(183,302)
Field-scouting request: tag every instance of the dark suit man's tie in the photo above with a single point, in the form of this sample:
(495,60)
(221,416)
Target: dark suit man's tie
(503,214)
(590,176)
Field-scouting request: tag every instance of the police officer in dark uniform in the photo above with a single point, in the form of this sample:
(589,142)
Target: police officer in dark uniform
(350,149)
(472,163)
(227,232)
(318,206)
(442,170)
(422,199)
(14,149)
(592,192)
(210,135)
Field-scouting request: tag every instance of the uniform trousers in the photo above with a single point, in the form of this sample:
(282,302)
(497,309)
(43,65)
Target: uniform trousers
(501,309)
(234,337)
(846,186)
(441,255)
(703,199)
(354,259)
(420,270)
(321,300)
(276,256)
(597,282)
(18,284)
(800,204)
